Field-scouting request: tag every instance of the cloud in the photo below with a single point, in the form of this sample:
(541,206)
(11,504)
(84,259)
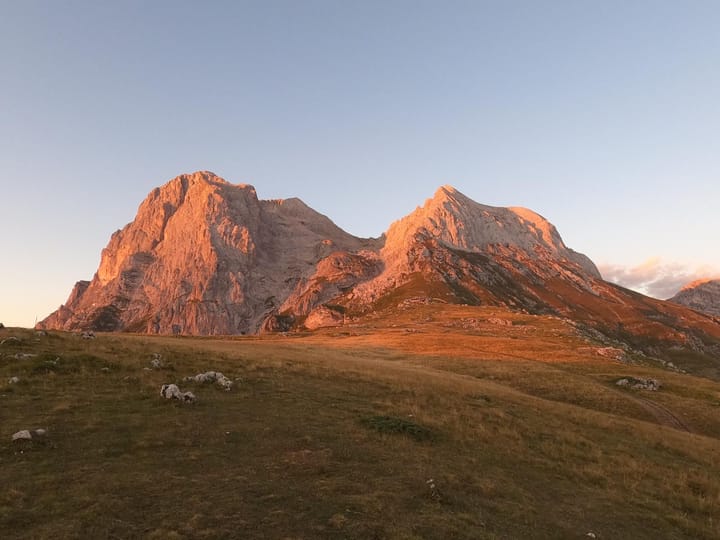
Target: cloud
(655,277)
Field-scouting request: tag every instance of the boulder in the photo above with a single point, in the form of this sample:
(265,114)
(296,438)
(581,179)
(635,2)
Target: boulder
(13,380)
(29,435)
(324,317)
(640,384)
(212,376)
(156,361)
(171,391)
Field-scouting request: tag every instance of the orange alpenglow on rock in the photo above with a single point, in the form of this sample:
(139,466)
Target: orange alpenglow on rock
(702,295)
(207,257)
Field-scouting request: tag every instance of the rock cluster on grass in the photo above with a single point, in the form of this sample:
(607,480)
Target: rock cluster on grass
(24,356)
(613,353)
(28,435)
(640,384)
(156,361)
(499,322)
(212,376)
(88,335)
(13,380)
(171,391)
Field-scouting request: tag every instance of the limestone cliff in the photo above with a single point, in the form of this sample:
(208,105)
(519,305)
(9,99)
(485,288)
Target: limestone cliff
(203,256)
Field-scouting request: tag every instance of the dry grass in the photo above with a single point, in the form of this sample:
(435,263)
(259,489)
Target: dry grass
(529,437)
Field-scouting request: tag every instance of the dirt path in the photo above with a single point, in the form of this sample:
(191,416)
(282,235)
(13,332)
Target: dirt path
(662,414)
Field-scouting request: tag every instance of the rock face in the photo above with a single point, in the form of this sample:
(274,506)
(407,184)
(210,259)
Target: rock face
(702,295)
(204,256)
(471,253)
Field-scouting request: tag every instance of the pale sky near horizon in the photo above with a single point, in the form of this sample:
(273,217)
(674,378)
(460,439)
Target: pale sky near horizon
(601,116)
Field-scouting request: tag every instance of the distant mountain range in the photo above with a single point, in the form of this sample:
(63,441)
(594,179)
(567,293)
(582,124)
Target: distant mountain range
(207,257)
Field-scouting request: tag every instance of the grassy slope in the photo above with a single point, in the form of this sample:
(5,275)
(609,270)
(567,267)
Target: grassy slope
(529,437)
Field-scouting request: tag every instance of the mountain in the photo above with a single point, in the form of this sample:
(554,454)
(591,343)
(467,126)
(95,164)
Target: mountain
(701,295)
(204,256)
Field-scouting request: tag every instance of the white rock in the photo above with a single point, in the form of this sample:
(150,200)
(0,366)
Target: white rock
(23,435)
(171,391)
(14,380)
(212,376)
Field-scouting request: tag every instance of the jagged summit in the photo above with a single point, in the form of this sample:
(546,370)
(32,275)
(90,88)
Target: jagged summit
(202,256)
(459,222)
(702,295)
(698,282)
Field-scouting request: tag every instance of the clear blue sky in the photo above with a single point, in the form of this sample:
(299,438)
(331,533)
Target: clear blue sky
(603,116)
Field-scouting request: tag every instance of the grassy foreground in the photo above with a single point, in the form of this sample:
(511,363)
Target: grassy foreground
(436,424)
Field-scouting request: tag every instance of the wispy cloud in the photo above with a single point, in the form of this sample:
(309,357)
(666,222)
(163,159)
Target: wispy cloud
(656,277)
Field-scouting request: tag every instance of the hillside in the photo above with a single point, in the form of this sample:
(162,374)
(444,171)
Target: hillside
(431,421)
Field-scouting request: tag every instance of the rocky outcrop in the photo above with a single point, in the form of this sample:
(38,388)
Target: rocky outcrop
(702,295)
(324,317)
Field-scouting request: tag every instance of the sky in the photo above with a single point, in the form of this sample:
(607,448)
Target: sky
(600,115)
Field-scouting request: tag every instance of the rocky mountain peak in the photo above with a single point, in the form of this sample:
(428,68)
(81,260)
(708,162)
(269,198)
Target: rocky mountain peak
(457,221)
(702,295)
(205,256)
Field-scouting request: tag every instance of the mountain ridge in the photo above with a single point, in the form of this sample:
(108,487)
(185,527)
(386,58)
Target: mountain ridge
(204,256)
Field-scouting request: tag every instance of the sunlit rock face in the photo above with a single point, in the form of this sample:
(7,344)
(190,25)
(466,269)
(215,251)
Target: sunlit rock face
(702,295)
(207,257)
(204,256)
(479,251)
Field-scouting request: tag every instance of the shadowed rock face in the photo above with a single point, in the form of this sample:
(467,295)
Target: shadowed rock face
(703,295)
(204,256)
